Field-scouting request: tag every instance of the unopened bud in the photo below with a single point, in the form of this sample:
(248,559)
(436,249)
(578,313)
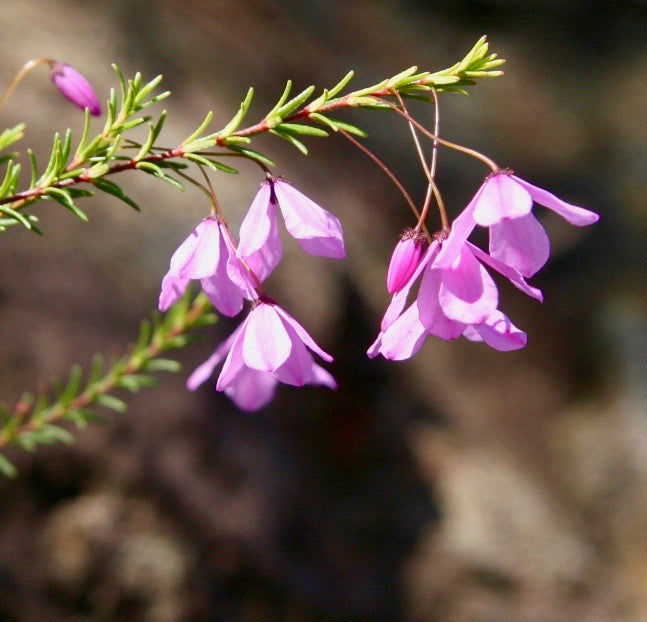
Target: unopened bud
(404,260)
(75,87)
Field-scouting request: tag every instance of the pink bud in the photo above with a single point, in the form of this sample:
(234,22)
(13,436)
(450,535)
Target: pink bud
(405,259)
(75,87)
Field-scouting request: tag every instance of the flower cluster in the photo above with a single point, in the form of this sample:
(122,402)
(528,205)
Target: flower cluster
(270,346)
(457,295)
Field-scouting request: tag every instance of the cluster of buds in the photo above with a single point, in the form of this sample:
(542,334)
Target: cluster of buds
(269,346)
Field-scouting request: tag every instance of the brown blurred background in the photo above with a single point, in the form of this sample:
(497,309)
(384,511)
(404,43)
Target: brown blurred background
(465,485)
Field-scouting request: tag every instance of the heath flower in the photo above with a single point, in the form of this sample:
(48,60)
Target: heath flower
(206,256)
(269,347)
(75,87)
(317,230)
(503,203)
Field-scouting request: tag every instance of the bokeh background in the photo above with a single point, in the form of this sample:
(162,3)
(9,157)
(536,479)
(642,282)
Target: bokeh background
(465,485)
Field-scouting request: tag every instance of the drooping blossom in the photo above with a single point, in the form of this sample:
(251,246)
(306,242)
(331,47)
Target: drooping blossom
(503,203)
(457,296)
(458,300)
(269,347)
(206,256)
(75,87)
(318,231)
(405,259)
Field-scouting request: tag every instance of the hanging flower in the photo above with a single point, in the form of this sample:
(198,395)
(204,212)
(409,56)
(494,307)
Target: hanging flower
(206,256)
(503,203)
(317,230)
(269,347)
(75,87)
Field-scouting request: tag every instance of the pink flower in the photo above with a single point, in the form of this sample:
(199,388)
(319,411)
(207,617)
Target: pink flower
(503,203)
(75,87)
(405,259)
(206,256)
(269,347)
(460,299)
(317,231)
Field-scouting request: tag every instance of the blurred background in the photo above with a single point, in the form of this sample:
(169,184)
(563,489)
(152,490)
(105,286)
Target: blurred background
(464,485)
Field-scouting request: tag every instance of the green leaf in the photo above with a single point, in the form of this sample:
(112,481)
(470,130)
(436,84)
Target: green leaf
(340,85)
(398,78)
(11,178)
(21,218)
(144,91)
(96,369)
(7,468)
(153,133)
(212,164)
(367,102)
(295,102)
(11,135)
(232,126)
(111,402)
(135,382)
(252,155)
(300,128)
(156,171)
(97,170)
(168,365)
(64,198)
(370,89)
(202,127)
(73,385)
(82,416)
(291,139)
(45,434)
(284,96)
(336,125)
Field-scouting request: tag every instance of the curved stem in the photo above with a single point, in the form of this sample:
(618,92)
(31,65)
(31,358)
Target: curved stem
(22,72)
(471,152)
(390,174)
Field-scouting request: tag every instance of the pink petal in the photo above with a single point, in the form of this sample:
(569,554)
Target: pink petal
(266,343)
(521,243)
(461,229)
(297,369)
(252,390)
(577,216)
(501,198)
(404,337)
(317,230)
(467,292)
(260,243)
(234,363)
(223,293)
(303,334)
(173,288)
(204,371)
(321,376)
(498,332)
(514,276)
(430,312)
(197,256)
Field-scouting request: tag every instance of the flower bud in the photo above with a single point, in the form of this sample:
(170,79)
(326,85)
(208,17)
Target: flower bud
(75,87)
(404,260)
